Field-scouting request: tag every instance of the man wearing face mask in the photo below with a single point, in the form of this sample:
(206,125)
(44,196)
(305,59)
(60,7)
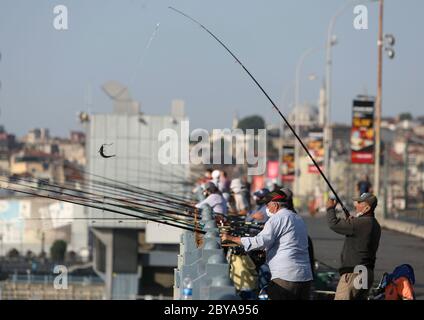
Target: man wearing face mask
(360,247)
(285,240)
(259,213)
(214,199)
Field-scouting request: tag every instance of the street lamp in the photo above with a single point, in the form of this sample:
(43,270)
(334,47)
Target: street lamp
(330,42)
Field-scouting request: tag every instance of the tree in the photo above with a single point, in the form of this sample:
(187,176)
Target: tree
(252,122)
(405,116)
(58,250)
(13,253)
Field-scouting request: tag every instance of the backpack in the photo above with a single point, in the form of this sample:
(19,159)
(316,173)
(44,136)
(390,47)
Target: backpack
(398,285)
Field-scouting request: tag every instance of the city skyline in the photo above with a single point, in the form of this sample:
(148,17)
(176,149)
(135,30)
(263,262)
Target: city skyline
(49,75)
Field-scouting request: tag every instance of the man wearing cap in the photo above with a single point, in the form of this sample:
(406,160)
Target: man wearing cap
(259,213)
(360,246)
(214,199)
(285,240)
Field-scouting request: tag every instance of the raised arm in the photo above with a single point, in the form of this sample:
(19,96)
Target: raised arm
(339,225)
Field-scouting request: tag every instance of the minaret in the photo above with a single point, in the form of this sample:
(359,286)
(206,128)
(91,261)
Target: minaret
(235,120)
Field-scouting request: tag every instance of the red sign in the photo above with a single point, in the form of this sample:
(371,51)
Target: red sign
(272,170)
(362,133)
(258,182)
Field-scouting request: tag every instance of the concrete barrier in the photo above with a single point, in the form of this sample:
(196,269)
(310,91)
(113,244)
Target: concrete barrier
(205,265)
(402,226)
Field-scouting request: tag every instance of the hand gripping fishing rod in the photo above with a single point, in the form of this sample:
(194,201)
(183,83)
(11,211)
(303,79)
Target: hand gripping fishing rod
(273,104)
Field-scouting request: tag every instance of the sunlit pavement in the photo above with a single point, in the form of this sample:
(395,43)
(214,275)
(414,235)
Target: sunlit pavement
(395,249)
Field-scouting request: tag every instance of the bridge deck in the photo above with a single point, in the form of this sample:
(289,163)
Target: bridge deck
(395,248)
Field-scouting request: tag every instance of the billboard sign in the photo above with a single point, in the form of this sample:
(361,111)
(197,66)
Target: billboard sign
(362,132)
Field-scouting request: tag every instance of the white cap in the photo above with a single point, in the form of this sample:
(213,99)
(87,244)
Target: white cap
(216,174)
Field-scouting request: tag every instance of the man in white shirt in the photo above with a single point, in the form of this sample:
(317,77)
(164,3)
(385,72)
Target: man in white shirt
(214,199)
(285,240)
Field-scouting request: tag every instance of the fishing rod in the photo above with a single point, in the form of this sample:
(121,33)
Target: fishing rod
(142,194)
(144,212)
(133,188)
(130,191)
(273,104)
(237,218)
(139,197)
(97,195)
(175,174)
(247,225)
(193,229)
(151,195)
(83,218)
(129,186)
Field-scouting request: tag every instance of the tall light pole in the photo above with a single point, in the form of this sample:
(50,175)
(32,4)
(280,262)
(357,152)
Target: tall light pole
(377,118)
(331,41)
(299,66)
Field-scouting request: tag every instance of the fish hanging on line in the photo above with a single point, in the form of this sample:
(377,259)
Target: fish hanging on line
(102,151)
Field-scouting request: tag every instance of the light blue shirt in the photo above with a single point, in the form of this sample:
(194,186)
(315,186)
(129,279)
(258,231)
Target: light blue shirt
(216,202)
(285,239)
(261,209)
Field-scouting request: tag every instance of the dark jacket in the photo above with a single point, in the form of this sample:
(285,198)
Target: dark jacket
(361,242)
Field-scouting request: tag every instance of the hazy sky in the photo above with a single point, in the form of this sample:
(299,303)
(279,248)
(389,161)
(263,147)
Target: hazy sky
(47,74)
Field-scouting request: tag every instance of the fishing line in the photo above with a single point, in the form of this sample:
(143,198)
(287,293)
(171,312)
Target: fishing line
(273,104)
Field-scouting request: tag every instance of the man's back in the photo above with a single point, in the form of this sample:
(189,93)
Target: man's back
(288,257)
(361,247)
(361,242)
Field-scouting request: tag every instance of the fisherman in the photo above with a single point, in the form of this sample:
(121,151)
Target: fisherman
(240,203)
(285,240)
(224,185)
(259,213)
(214,199)
(360,246)
(200,184)
(216,174)
(364,185)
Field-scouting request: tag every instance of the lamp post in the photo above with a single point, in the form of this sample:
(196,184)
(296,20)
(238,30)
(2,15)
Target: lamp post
(378,100)
(330,42)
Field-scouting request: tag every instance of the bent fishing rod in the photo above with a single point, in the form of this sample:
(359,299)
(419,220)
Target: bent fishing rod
(193,229)
(346,212)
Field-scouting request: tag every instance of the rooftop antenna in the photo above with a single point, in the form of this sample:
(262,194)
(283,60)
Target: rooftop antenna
(122,101)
